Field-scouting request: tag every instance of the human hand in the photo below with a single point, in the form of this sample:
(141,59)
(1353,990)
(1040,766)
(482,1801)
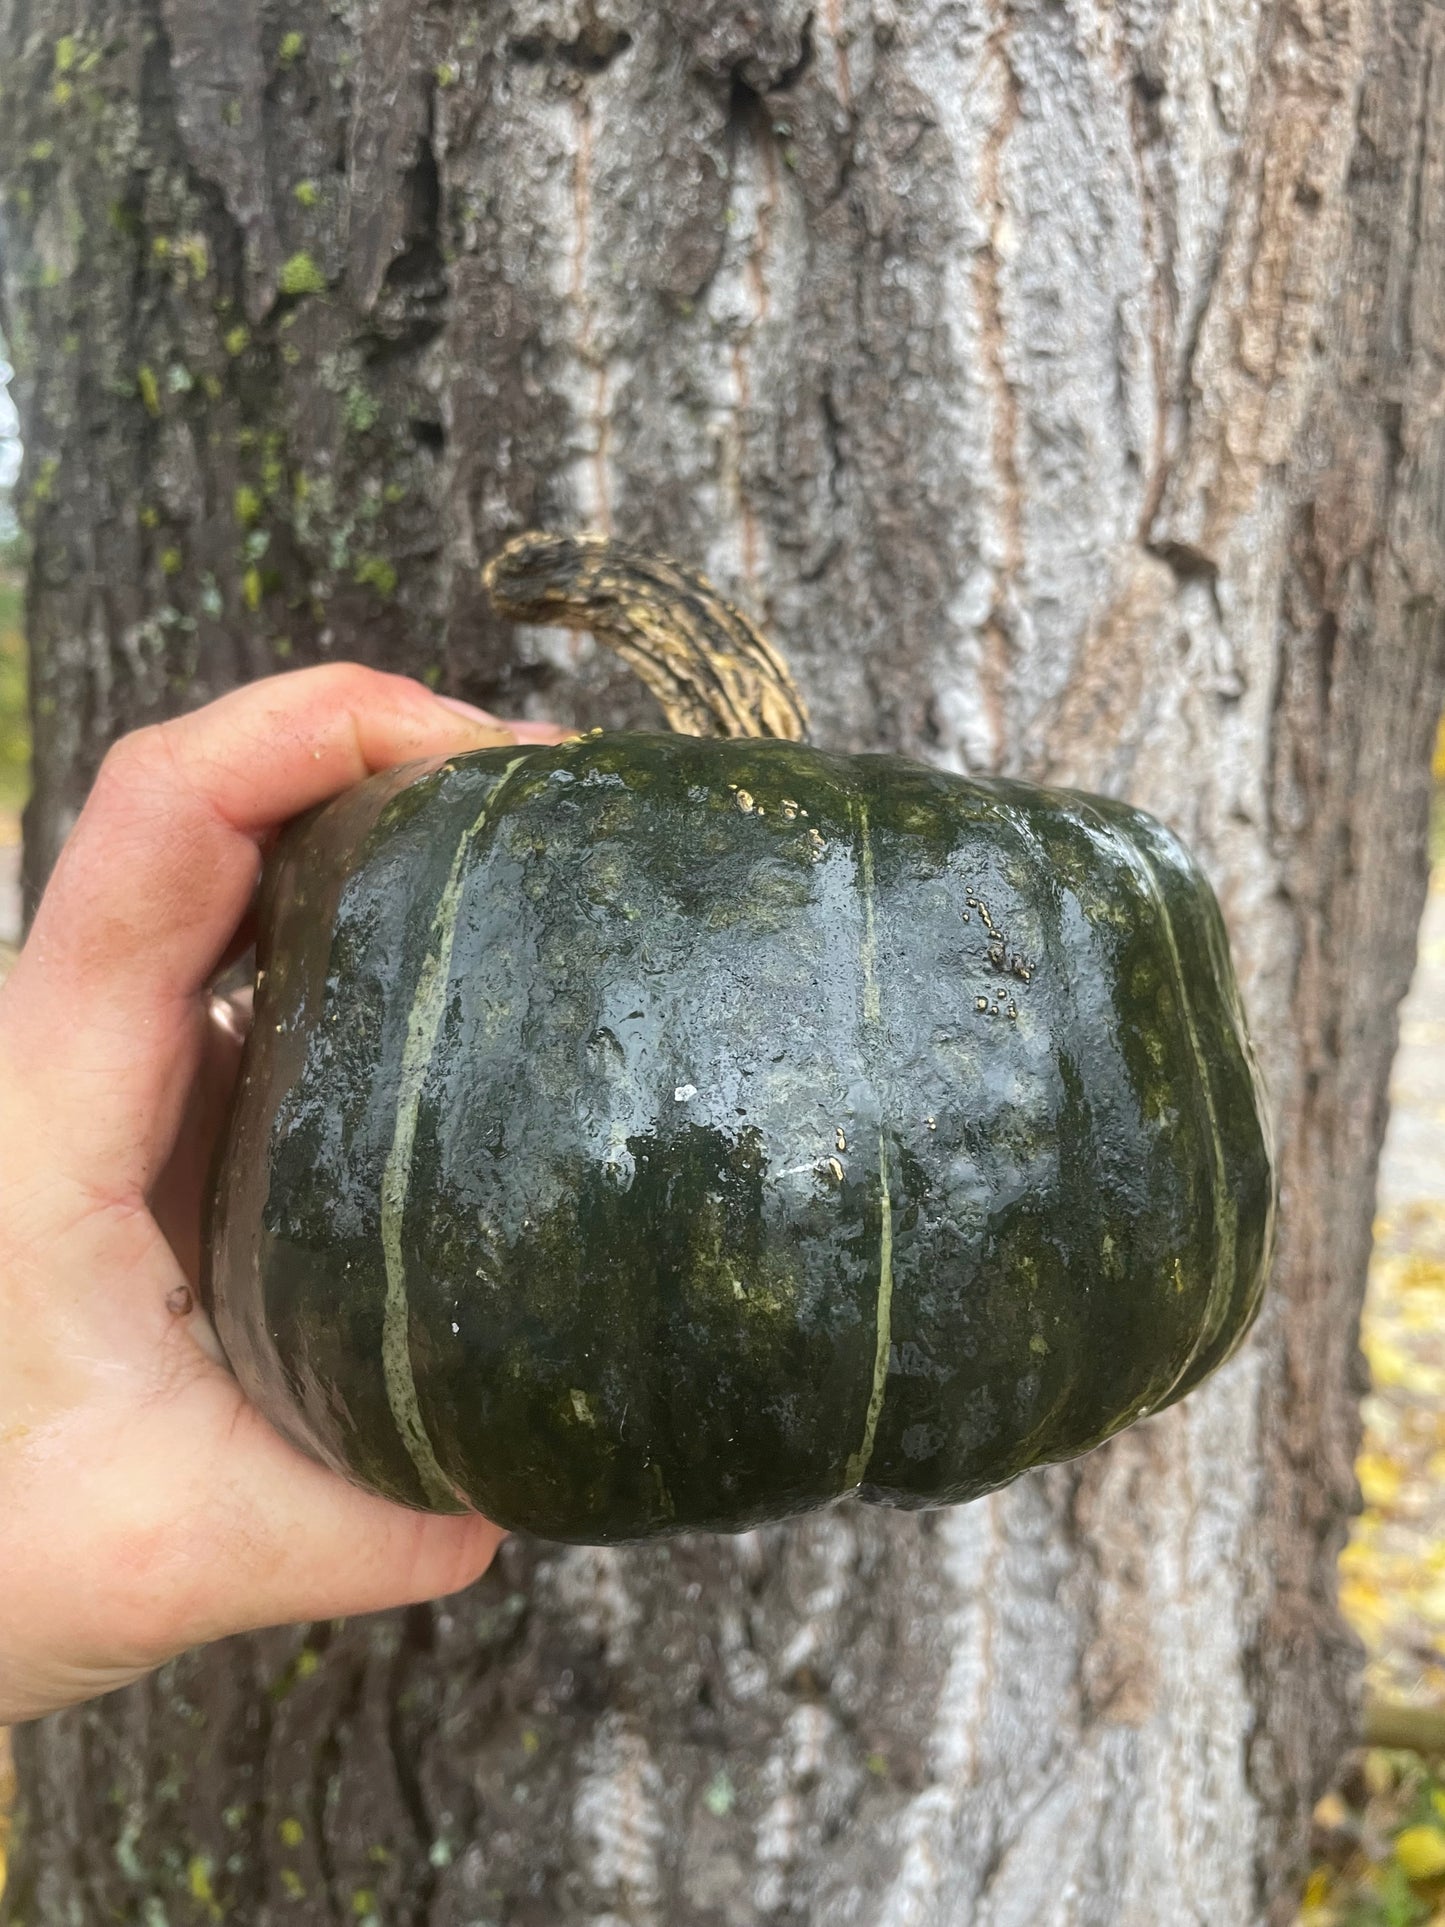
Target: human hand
(145,1506)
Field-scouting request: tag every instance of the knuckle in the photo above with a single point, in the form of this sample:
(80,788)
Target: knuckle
(345,682)
(132,761)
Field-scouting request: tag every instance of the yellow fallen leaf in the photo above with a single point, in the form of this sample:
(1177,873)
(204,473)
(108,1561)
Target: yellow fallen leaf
(1379,1477)
(1390,1366)
(1365,1606)
(1421,1852)
(1317,1888)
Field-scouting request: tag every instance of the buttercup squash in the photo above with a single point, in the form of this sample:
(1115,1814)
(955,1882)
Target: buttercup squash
(668,1131)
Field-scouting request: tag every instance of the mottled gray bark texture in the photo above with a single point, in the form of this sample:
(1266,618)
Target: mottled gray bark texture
(1060,380)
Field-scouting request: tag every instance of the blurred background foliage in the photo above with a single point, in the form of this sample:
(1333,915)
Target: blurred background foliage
(1380,1845)
(14,727)
(1380,1833)
(14,731)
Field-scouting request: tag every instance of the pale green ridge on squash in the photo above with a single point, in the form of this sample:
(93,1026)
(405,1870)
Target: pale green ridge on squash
(858,1463)
(423,1023)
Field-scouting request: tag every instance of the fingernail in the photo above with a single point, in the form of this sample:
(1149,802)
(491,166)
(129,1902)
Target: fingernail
(471,712)
(504,729)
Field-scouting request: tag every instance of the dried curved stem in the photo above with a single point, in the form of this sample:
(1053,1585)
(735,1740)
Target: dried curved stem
(710,667)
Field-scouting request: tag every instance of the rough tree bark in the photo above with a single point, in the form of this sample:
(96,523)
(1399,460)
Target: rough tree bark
(1061,381)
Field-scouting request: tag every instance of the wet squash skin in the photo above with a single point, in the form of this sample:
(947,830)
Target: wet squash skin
(656,1132)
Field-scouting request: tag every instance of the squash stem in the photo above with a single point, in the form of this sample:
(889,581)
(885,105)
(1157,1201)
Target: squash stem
(709,666)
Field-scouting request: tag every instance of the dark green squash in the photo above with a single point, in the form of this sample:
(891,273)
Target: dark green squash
(655,1132)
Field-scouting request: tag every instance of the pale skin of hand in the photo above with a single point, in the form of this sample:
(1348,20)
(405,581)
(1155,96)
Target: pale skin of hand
(145,1506)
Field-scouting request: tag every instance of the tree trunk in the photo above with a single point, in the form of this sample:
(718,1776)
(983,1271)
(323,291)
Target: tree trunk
(1059,380)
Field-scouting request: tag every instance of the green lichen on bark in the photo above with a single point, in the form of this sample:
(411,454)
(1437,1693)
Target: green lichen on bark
(198,387)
